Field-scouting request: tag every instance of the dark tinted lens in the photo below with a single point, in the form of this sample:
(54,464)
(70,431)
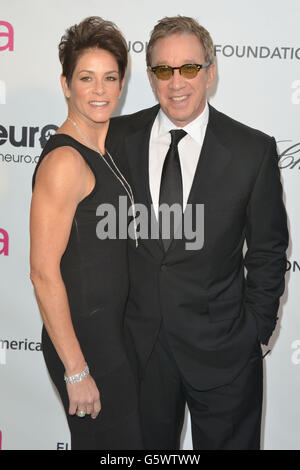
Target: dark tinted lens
(189,71)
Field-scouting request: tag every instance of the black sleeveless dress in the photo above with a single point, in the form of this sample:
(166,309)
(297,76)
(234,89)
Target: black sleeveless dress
(96,278)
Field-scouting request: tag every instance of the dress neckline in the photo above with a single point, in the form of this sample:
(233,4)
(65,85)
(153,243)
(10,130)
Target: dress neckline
(77,141)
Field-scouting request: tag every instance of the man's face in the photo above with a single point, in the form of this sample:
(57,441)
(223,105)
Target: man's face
(181,99)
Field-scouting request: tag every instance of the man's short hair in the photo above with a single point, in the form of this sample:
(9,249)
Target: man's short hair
(180,25)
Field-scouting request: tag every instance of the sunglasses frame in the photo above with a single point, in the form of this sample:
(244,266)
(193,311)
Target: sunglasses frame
(198,66)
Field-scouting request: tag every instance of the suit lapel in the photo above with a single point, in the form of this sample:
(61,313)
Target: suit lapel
(137,151)
(213,161)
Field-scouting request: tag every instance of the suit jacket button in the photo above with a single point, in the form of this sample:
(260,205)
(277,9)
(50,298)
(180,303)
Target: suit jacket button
(163,267)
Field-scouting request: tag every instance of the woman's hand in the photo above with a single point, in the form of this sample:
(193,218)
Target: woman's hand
(84,396)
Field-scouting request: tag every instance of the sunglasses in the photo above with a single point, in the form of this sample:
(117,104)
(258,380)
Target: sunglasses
(165,72)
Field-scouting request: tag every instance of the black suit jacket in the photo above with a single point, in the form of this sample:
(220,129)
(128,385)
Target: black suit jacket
(213,313)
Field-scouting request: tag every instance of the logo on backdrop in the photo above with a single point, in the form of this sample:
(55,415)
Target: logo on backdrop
(0,440)
(6,36)
(62,446)
(296,354)
(4,242)
(295,98)
(137,46)
(24,137)
(25,345)
(14,345)
(2,92)
(293,266)
(257,52)
(289,155)
(237,50)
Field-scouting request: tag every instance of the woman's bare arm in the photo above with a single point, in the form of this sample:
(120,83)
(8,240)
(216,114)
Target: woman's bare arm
(62,180)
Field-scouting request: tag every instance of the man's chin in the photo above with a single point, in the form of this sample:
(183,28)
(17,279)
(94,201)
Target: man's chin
(180,120)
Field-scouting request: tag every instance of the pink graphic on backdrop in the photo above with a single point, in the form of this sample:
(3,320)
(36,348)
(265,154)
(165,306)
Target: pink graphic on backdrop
(0,440)
(4,242)
(9,34)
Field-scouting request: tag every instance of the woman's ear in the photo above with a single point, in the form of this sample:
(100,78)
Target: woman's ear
(64,86)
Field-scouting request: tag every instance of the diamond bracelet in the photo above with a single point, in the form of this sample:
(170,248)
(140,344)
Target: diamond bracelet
(73,379)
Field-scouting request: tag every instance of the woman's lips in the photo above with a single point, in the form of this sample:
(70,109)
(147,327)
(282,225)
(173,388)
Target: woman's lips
(98,103)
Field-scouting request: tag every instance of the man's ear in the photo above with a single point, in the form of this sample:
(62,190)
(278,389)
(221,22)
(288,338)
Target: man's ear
(211,75)
(64,85)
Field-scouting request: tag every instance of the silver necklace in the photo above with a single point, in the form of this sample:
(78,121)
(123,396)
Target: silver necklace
(120,177)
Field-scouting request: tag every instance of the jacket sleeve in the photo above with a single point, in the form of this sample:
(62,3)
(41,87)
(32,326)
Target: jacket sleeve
(267,241)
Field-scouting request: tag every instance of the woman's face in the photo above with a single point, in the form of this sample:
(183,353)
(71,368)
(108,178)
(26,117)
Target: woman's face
(95,87)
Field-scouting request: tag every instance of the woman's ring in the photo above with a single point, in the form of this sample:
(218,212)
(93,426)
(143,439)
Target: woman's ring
(80,413)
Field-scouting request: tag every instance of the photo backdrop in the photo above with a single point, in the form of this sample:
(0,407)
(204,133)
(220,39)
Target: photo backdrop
(257,46)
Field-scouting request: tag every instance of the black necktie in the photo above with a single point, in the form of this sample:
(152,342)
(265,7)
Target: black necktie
(171,180)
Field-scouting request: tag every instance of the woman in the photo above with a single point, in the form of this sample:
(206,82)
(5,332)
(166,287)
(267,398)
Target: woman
(80,280)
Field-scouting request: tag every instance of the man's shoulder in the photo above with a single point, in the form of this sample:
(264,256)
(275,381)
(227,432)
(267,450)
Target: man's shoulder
(134,121)
(234,130)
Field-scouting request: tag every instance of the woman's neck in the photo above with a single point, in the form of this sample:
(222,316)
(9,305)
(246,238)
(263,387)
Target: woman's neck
(90,134)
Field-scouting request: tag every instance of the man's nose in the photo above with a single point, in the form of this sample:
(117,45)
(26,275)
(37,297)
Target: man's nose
(177,81)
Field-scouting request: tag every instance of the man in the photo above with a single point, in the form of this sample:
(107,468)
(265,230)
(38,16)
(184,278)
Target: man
(195,315)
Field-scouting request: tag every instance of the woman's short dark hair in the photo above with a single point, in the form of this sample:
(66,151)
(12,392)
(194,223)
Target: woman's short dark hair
(93,32)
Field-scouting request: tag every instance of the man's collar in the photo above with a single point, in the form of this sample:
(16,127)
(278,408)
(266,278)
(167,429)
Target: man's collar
(194,128)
